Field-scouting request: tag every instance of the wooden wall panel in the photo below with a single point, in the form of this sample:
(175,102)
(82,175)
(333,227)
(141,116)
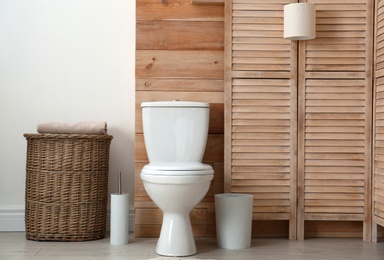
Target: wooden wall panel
(179,55)
(181,35)
(334,80)
(378,142)
(261,109)
(258,49)
(149,10)
(208,2)
(335,100)
(261,144)
(179,63)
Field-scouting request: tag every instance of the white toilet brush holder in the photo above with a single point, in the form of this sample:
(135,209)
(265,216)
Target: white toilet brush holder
(119,216)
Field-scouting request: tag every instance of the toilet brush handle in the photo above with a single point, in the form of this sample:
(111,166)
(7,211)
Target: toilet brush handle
(119,182)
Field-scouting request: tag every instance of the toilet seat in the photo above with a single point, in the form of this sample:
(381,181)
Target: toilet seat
(175,179)
(177,169)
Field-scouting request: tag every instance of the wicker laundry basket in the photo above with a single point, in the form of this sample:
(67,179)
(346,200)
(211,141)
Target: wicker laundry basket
(66,190)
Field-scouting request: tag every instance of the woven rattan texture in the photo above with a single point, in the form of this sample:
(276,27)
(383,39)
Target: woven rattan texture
(66,190)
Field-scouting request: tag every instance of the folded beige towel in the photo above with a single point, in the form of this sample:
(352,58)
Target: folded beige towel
(83,127)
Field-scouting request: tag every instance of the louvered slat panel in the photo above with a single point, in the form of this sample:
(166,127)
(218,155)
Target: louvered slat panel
(257,37)
(340,37)
(263,114)
(335,115)
(334,143)
(261,137)
(379,37)
(262,119)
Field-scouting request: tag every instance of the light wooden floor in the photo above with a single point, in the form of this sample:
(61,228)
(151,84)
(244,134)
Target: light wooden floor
(13,245)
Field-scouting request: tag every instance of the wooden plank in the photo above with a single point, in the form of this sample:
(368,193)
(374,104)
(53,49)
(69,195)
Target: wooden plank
(174,64)
(335,182)
(271,209)
(245,172)
(208,2)
(334,210)
(324,228)
(215,98)
(259,74)
(258,182)
(147,230)
(179,35)
(177,9)
(334,203)
(155,216)
(179,84)
(148,216)
(336,217)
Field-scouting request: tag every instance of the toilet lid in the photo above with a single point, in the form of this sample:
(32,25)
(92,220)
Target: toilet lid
(180,168)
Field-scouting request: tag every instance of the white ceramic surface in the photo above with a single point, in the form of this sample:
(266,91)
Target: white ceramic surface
(119,219)
(175,131)
(233,220)
(175,135)
(177,170)
(176,196)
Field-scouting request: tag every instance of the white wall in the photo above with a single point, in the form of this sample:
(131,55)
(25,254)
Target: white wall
(64,60)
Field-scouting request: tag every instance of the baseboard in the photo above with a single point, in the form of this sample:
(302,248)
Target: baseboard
(12,219)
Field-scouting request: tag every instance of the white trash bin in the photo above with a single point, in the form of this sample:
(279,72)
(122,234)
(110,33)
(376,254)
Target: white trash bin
(233,220)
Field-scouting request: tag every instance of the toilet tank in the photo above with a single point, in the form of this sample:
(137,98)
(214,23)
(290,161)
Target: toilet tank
(175,131)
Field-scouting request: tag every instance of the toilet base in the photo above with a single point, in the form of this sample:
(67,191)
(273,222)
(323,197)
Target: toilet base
(176,237)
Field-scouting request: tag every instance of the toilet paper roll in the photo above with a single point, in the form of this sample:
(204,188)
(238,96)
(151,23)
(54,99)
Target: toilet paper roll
(119,219)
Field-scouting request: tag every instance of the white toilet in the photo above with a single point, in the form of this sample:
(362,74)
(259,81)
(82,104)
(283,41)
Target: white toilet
(175,135)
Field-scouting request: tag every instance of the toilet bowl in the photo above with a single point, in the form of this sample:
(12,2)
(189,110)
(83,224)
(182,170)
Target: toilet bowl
(175,135)
(176,194)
